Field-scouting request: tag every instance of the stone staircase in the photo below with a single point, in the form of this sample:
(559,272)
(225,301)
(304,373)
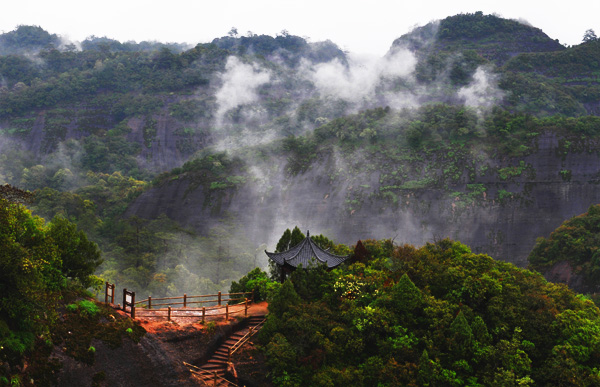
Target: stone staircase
(212,373)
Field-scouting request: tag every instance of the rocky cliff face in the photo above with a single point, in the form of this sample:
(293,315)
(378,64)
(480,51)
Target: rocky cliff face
(504,220)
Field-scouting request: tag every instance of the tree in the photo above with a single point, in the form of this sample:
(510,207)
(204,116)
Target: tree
(29,280)
(360,253)
(461,336)
(80,256)
(256,281)
(589,36)
(233,32)
(283,299)
(284,241)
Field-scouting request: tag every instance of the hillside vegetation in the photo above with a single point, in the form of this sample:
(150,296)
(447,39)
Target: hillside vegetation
(576,243)
(461,123)
(38,264)
(438,315)
(169,169)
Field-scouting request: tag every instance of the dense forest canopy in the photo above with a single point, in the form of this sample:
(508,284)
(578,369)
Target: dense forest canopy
(436,315)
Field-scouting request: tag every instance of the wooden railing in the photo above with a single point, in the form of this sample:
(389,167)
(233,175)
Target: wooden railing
(209,377)
(251,331)
(242,304)
(188,300)
(217,301)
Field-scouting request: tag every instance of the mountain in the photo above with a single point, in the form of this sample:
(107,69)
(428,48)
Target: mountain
(474,127)
(184,164)
(492,37)
(477,190)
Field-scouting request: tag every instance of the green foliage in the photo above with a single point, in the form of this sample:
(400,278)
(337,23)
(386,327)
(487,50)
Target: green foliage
(80,256)
(211,327)
(577,242)
(26,38)
(406,297)
(30,277)
(256,281)
(88,308)
(284,241)
(283,299)
(438,315)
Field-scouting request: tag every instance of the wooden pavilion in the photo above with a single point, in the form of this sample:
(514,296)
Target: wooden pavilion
(305,253)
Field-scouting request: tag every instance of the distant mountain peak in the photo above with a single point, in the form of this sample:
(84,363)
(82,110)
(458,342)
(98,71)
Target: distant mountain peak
(495,38)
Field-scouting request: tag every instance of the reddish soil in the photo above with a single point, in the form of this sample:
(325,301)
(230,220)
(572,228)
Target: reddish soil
(156,321)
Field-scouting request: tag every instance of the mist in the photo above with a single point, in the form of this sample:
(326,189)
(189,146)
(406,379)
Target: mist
(483,92)
(252,102)
(358,81)
(363,82)
(240,84)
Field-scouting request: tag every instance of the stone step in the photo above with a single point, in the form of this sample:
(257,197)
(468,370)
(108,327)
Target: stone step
(217,361)
(214,366)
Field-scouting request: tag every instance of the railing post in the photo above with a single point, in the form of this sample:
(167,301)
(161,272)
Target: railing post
(184,300)
(106,293)
(245,307)
(219,298)
(169,313)
(133,305)
(203,314)
(112,293)
(226,312)
(253,296)
(149,302)
(125,300)
(215,384)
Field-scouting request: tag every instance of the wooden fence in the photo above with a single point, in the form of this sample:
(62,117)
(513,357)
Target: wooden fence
(234,303)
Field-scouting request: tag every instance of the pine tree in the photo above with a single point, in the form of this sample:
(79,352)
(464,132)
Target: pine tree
(461,336)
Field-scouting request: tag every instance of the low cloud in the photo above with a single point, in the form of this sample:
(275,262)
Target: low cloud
(240,84)
(483,92)
(359,80)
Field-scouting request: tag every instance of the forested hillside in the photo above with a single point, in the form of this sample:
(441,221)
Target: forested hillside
(167,169)
(182,163)
(438,315)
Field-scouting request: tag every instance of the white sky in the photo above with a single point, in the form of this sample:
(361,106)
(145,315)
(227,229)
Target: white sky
(366,27)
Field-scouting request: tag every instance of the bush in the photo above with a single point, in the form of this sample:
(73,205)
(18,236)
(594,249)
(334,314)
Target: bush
(88,308)
(256,280)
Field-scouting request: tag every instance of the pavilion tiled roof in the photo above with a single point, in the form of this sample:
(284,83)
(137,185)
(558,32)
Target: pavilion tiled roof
(306,253)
